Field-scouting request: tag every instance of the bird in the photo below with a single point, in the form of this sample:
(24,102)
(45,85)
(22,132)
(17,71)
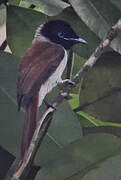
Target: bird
(40,70)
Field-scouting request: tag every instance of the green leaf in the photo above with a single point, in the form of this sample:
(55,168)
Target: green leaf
(100,93)
(116,131)
(65,120)
(85,119)
(81,156)
(50,8)
(109,12)
(110,169)
(91,119)
(97,122)
(11,120)
(87,12)
(6,159)
(14,2)
(74,101)
(117,3)
(21,26)
(24,4)
(98,16)
(65,129)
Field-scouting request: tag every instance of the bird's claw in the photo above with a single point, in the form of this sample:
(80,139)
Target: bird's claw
(49,105)
(69,81)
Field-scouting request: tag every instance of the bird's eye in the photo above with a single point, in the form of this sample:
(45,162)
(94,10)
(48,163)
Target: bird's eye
(60,34)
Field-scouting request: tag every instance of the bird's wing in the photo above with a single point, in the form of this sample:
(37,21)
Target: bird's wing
(36,66)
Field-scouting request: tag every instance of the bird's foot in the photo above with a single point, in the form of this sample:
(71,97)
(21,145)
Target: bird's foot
(69,81)
(48,105)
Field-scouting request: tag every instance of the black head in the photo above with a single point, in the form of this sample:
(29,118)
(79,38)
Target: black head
(60,32)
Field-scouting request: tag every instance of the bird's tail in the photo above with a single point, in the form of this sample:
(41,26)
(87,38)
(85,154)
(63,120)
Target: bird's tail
(29,124)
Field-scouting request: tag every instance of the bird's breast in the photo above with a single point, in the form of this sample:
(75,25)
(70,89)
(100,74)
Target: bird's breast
(53,80)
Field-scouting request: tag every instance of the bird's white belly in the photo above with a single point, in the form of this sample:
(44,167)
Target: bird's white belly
(53,80)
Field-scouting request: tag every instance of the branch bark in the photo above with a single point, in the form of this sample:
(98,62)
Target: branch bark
(22,165)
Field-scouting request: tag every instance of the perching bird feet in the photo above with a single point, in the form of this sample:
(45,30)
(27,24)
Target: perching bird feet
(69,81)
(48,105)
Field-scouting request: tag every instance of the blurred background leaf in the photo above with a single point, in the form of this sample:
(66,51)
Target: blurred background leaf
(50,8)
(117,3)
(98,16)
(21,25)
(14,2)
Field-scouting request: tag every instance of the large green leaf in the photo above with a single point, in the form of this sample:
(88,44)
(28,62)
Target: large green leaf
(86,120)
(50,8)
(65,120)
(11,121)
(81,156)
(100,95)
(117,3)
(6,159)
(21,26)
(110,129)
(98,16)
(90,16)
(110,169)
(65,128)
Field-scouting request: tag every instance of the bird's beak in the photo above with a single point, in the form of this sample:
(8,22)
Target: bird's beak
(76,40)
(79,40)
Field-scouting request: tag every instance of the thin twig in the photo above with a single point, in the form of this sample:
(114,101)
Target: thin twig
(17,173)
(70,64)
(3,45)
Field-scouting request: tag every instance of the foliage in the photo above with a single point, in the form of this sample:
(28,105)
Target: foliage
(66,152)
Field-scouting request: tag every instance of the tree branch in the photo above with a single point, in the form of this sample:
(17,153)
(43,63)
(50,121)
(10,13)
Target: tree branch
(22,166)
(70,64)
